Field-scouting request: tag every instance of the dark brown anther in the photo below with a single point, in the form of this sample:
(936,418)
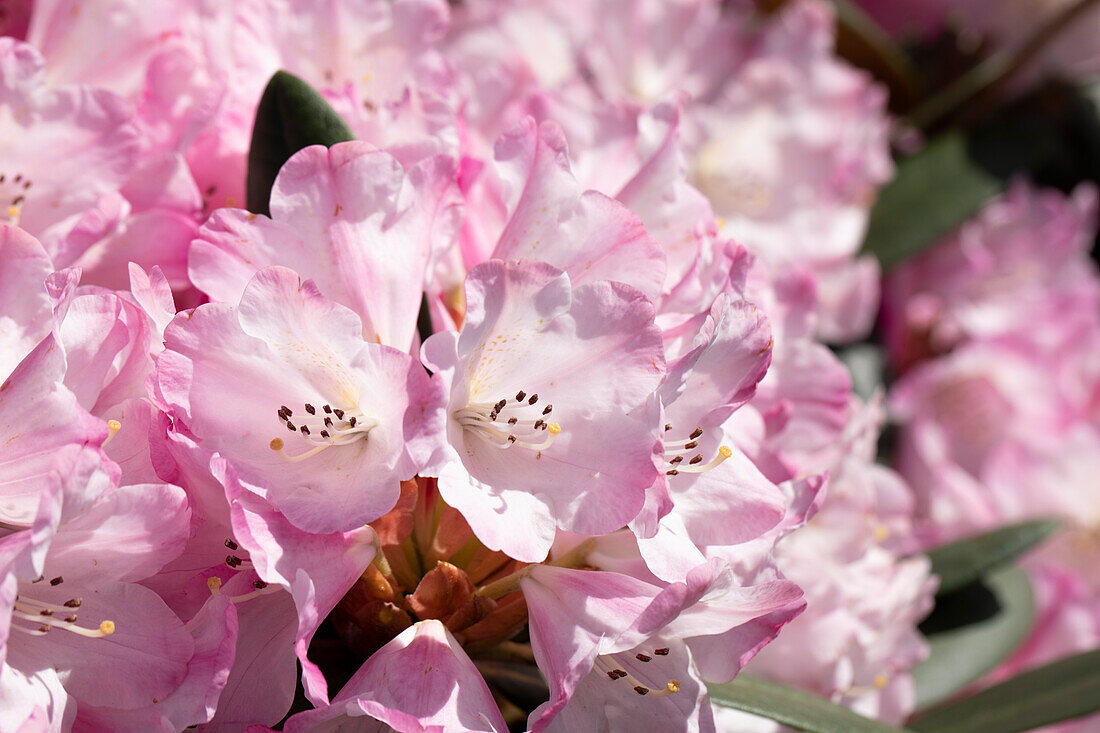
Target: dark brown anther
(57,581)
(351,421)
(520,396)
(533,400)
(44,629)
(511,439)
(39,579)
(548,410)
(616,674)
(324,433)
(675,461)
(692,444)
(539,423)
(45,612)
(673,472)
(18,200)
(287,411)
(2,176)
(304,430)
(18,177)
(327,408)
(339,414)
(232,545)
(233,561)
(513,420)
(668,426)
(259,584)
(290,426)
(641,690)
(642,657)
(328,422)
(26,184)
(73,603)
(500,405)
(311,409)
(662,652)
(697,459)
(71,619)
(696,433)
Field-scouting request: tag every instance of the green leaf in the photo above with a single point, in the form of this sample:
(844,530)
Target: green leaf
(291,116)
(795,708)
(1067,689)
(934,191)
(961,655)
(967,560)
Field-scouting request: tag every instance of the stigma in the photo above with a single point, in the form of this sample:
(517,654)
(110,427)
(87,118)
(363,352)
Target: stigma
(677,454)
(322,428)
(519,421)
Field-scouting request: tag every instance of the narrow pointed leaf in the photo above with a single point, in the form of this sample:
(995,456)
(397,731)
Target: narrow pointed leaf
(967,560)
(961,655)
(792,707)
(1066,689)
(291,116)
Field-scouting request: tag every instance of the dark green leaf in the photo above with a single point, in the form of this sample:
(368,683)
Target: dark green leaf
(934,191)
(961,655)
(795,708)
(1067,689)
(291,116)
(967,560)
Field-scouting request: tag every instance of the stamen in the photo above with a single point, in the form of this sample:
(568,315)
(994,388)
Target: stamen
(230,544)
(605,663)
(57,581)
(310,409)
(723,453)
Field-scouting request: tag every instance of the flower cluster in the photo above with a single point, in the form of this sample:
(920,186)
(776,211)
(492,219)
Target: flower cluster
(513,411)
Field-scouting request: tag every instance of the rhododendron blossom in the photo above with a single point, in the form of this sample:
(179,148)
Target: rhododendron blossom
(516,412)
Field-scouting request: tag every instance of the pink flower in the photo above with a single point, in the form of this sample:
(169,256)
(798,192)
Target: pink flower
(324,423)
(611,643)
(422,680)
(76,145)
(1022,259)
(23,300)
(538,211)
(77,611)
(364,229)
(550,421)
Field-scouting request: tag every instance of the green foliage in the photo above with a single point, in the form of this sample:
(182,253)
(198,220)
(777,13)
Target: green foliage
(291,116)
(962,654)
(795,708)
(967,560)
(1066,689)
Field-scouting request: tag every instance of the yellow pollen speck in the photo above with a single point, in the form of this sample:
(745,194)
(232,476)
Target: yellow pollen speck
(114,426)
(725,451)
(214,583)
(106,627)
(276,444)
(673,686)
(554,428)
(231,201)
(720,222)
(881,532)
(367,76)
(13,212)
(881,680)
